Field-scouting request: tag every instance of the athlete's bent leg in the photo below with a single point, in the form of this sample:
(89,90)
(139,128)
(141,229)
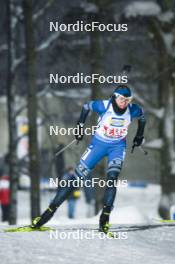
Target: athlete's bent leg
(113,172)
(62,194)
(94,153)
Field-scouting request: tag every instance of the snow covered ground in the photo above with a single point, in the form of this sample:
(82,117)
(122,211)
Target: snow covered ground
(140,239)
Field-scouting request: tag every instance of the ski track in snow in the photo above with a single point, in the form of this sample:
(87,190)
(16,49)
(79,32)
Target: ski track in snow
(154,245)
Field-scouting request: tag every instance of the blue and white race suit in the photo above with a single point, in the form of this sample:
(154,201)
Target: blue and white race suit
(110,136)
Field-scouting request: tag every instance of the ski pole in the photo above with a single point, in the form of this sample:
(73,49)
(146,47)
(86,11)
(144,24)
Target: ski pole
(141,149)
(133,146)
(67,146)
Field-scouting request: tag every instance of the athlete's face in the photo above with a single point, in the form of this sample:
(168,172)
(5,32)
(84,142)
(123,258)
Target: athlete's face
(123,101)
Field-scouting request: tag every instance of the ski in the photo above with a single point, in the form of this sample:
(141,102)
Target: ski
(28,229)
(164,221)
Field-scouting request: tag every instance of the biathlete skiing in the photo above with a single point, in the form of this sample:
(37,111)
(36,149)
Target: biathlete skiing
(115,116)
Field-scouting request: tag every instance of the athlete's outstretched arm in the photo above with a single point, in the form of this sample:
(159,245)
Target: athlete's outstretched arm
(141,126)
(84,113)
(138,139)
(97,106)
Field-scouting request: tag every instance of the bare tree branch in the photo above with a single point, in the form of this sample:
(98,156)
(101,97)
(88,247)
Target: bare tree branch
(46,43)
(42,11)
(155,144)
(158,113)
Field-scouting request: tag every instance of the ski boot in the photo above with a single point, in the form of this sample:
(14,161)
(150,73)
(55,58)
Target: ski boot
(44,218)
(104,220)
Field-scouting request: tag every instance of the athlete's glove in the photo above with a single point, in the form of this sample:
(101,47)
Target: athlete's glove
(79,131)
(137,141)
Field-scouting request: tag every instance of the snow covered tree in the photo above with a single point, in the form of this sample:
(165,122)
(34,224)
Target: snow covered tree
(32,109)
(11,105)
(160,19)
